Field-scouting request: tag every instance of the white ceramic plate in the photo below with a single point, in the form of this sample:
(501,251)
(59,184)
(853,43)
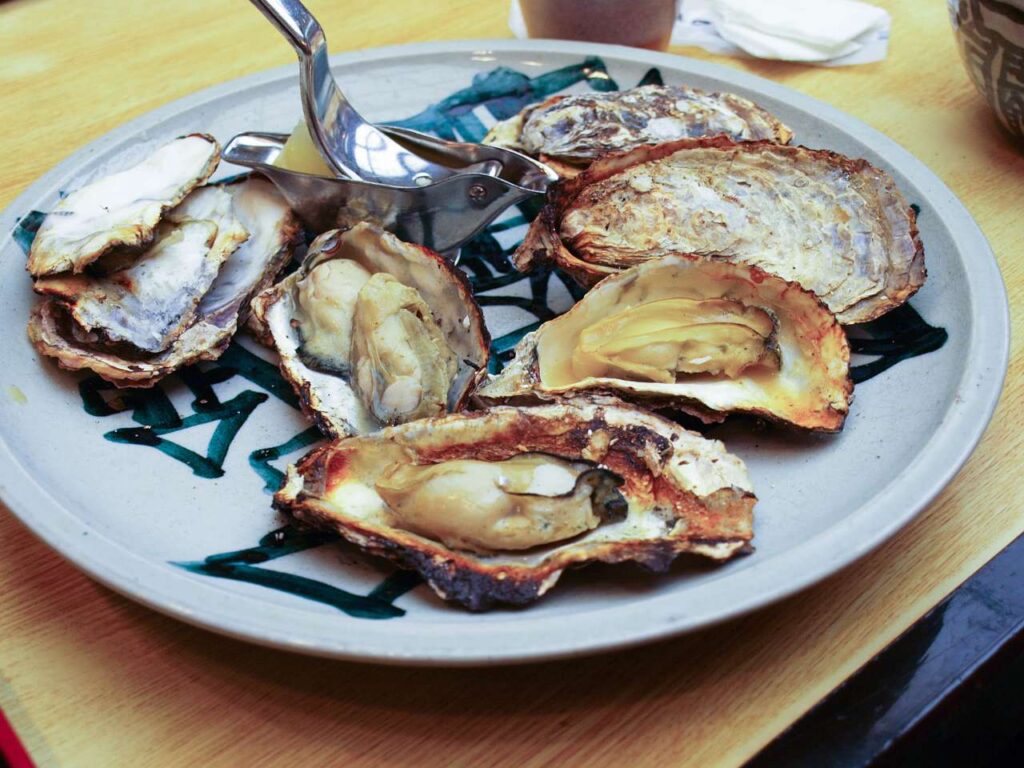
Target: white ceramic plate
(130,514)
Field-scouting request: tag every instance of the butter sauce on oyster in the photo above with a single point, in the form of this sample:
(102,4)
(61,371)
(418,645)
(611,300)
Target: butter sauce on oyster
(837,226)
(491,506)
(569,132)
(703,336)
(123,209)
(373,331)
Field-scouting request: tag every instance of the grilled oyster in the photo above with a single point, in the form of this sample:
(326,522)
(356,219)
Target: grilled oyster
(152,302)
(837,226)
(707,337)
(122,209)
(571,131)
(373,331)
(273,232)
(526,493)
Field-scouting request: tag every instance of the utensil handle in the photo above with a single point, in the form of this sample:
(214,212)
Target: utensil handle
(295,22)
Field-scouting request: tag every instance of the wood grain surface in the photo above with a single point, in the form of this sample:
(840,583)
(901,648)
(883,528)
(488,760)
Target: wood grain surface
(91,679)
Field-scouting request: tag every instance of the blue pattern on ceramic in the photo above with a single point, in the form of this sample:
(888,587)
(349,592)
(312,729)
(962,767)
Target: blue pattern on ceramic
(990,36)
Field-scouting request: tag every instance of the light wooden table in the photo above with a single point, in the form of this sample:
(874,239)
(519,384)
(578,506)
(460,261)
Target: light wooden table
(91,679)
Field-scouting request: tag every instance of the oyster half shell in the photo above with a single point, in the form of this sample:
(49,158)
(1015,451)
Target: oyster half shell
(703,336)
(682,492)
(373,331)
(122,209)
(151,303)
(569,132)
(835,225)
(273,232)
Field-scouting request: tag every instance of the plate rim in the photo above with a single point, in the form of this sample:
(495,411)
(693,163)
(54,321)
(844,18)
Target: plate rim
(894,505)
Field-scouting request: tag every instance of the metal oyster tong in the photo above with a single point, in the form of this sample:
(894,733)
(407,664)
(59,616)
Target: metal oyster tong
(426,190)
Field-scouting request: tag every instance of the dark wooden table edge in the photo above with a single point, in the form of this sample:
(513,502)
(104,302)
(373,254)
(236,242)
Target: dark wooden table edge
(945,692)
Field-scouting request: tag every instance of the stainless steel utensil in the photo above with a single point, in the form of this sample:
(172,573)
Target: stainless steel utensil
(427,190)
(350,145)
(441,216)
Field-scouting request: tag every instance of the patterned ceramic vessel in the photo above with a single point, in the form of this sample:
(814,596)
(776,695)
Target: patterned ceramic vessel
(164,494)
(990,34)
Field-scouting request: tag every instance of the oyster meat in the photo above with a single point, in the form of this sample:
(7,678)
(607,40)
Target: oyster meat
(213,203)
(402,365)
(491,506)
(518,503)
(256,209)
(569,132)
(374,331)
(837,226)
(121,210)
(698,335)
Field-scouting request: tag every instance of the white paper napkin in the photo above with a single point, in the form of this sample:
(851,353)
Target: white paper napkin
(834,32)
(829,32)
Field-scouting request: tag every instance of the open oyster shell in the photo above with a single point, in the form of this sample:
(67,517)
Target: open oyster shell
(835,225)
(122,209)
(310,318)
(569,132)
(799,374)
(273,232)
(152,302)
(684,493)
